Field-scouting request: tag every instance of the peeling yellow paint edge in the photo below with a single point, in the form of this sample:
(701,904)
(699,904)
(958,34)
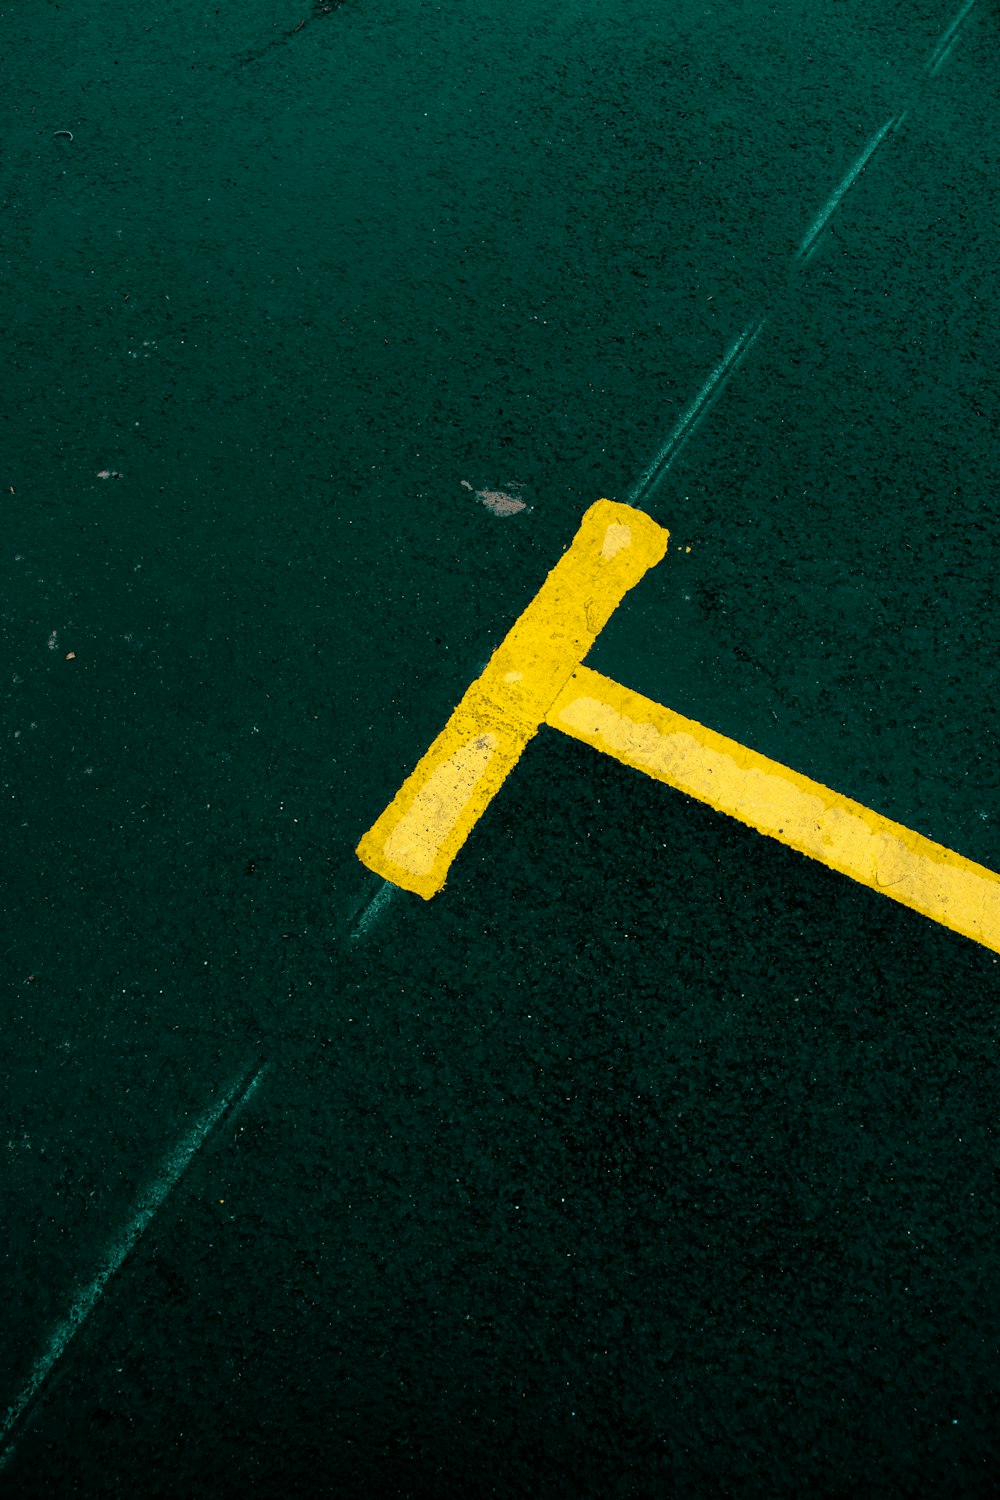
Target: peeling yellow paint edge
(781,803)
(415,840)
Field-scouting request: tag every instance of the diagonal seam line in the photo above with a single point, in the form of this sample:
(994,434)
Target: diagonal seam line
(947,38)
(682,430)
(376,906)
(696,408)
(152,1199)
(848,180)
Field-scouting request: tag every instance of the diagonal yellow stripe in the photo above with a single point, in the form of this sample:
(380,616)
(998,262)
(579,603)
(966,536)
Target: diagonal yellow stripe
(415,840)
(781,803)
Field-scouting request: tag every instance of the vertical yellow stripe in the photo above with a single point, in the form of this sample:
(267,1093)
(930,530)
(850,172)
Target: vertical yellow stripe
(415,840)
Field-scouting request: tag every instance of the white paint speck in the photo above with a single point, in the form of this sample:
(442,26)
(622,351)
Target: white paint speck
(500,502)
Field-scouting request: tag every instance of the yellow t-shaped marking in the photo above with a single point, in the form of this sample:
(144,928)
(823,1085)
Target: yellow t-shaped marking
(537,676)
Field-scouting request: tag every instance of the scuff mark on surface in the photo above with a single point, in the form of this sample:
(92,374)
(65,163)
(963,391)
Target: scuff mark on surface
(500,502)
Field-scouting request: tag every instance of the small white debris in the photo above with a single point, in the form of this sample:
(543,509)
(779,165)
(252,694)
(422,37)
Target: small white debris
(500,502)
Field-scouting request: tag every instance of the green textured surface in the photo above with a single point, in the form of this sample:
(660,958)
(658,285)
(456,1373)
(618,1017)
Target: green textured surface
(649,1158)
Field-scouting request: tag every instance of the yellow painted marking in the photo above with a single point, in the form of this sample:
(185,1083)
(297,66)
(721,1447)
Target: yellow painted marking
(415,840)
(536,676)
(781,803)
(438,804)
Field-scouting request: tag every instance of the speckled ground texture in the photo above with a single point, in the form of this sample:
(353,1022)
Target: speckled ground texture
(649,1158)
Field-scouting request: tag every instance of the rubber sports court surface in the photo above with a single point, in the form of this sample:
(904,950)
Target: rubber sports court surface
(623,1123)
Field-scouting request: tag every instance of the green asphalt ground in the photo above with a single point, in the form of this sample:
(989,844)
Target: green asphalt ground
(649,1158)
